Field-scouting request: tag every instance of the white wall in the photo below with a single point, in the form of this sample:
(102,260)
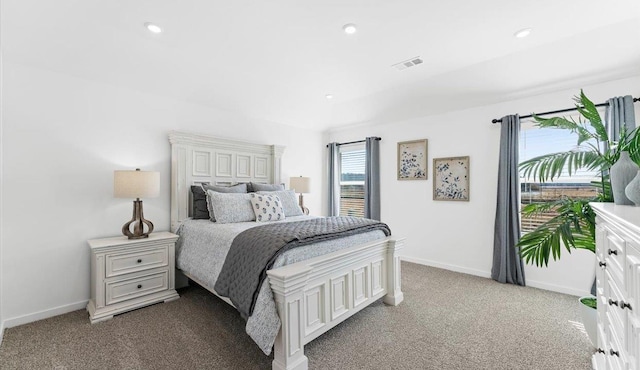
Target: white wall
(62,139)
(1,198)
(459,235)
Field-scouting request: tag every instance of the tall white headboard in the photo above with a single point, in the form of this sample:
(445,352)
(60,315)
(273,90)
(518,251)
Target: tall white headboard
(197,159)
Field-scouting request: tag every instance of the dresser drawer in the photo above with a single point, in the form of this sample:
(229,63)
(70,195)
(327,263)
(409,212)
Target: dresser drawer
(616,316)
(602,308)
(122,290)
(616,355)
(600,268)
(614,257)
(138,260)
(601,235)
(632,270)
(633,349)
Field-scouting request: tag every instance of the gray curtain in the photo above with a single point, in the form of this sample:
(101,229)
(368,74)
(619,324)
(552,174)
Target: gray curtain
(372,179)
(334,179)
(507,264)
(619,113)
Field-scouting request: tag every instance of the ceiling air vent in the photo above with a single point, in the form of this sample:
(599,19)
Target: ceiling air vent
(407,63)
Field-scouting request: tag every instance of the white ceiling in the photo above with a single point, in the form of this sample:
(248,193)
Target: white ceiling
(276,60)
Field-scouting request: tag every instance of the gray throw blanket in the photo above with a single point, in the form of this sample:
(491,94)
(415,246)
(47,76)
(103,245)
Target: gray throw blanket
(255,250)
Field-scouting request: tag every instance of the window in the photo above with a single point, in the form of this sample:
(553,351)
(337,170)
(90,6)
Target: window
(535,142)
(352,163)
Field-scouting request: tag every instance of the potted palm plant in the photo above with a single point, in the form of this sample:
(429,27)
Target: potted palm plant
(573,223)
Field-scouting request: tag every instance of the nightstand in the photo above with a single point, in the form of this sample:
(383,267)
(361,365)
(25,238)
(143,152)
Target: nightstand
(128,274)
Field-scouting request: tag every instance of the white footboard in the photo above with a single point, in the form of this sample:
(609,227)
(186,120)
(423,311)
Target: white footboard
(315,295)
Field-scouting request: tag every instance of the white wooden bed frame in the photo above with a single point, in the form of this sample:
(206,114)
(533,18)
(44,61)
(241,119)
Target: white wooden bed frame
(312,296)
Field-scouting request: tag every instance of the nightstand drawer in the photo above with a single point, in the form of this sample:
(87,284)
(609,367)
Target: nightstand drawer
(122,290)
(139,260)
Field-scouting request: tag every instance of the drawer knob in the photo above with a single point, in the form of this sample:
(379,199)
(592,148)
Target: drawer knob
(139,286)
(624,304)
(139,260)
(602,264)
(612,251)
(612,302)
(614,353)
(600,350)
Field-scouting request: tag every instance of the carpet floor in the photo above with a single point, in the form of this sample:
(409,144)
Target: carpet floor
(448,320)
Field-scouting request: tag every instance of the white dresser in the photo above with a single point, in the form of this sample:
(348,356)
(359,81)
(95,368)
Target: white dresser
(129,274)
(618,286)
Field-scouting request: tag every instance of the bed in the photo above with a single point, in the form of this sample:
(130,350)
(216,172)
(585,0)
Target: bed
(304,294)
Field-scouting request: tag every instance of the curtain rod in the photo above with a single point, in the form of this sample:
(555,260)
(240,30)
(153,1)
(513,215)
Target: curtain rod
(495,120)
(357,141)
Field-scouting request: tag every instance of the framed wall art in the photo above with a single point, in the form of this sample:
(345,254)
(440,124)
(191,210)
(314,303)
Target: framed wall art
(451,178)
(412,160)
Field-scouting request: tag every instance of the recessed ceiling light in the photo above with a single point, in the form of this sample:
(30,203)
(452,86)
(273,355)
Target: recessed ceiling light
(329,96)
(523,33)
(152,27)
(349,28)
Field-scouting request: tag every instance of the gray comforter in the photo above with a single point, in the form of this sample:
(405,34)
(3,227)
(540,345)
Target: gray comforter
(203,247)
(254,251)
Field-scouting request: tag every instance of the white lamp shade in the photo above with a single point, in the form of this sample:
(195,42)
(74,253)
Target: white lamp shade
(300,184)
(136,184)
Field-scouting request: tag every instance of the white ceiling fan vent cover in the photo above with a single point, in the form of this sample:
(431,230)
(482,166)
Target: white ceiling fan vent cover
(412,62)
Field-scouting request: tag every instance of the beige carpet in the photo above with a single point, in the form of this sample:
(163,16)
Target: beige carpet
(447,321)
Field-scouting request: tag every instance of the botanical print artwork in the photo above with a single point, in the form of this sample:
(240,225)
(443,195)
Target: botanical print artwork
(412,160)
(451,178)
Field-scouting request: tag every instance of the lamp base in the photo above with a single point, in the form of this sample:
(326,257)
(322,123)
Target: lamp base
(138,222)
(305,210)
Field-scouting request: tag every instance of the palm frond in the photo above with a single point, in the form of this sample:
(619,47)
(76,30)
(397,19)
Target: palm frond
(550,166)
(533,209)
(571,228)
(589,111)
(565,124)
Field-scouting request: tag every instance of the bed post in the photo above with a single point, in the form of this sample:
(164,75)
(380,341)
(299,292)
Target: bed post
(394,292)
(289,345)
(276,154)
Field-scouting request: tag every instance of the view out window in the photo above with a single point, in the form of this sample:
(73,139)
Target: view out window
(535,142)
(352,163)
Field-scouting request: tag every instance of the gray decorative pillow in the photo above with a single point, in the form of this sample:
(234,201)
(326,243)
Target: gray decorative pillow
(289,201)
(231,207)
(265,187)
(238,188)
(267,207)
(200,210)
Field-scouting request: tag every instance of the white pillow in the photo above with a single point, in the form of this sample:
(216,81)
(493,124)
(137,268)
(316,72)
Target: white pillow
(231,207)
(238,188)
(289,201)
(267,207)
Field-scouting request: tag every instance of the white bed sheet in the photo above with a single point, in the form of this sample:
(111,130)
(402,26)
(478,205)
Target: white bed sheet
(203,247)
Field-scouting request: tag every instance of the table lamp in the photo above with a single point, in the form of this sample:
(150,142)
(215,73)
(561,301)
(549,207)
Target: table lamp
(136,184)
(301,185)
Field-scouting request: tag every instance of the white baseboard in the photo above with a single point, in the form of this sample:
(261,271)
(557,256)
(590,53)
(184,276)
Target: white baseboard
(485,274)
(45,314)
(464,270)
(1,331)
(556,288)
